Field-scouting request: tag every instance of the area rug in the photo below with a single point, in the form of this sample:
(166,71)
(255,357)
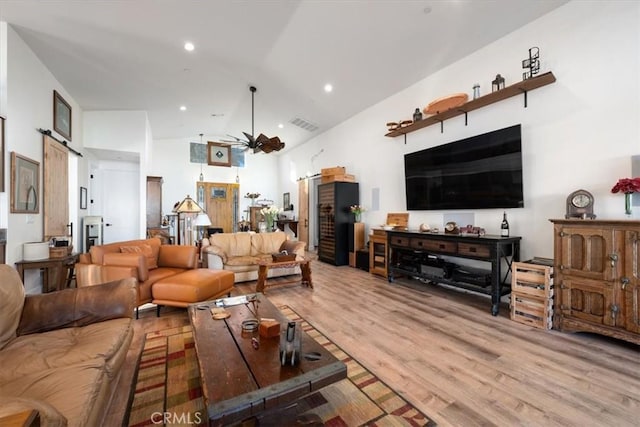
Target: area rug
(168,390)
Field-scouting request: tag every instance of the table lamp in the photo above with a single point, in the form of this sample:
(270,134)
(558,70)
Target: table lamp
(202,220)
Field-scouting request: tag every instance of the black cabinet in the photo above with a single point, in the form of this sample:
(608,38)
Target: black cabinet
(334,216)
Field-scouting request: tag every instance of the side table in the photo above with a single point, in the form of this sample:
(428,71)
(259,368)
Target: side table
(57,271)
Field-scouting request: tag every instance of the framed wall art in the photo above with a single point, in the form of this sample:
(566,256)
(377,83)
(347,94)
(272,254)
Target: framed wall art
(286,201)
(218,193)
(83,198)
(61,116)
(218,154)
(25,184)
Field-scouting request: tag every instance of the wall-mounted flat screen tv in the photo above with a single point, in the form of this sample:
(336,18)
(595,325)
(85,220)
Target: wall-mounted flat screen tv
(480,172)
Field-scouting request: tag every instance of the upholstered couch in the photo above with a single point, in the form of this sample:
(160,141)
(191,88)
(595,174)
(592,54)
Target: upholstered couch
(241,252)
(171,267)
(61,353)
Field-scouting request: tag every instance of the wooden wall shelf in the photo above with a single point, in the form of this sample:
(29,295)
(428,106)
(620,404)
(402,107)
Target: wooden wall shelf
(521,87)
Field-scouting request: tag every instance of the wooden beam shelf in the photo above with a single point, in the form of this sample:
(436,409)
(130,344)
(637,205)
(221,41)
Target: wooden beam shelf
(521,87)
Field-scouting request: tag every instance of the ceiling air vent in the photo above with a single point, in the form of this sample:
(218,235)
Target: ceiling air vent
(302,123)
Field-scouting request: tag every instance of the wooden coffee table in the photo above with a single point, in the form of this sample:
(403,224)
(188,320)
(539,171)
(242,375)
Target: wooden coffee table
(239,381)
(263,271)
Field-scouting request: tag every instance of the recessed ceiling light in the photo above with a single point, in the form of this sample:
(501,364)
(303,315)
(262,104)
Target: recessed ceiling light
(280,125)
(328,87)
(426,10)
(183,108)
(188,46)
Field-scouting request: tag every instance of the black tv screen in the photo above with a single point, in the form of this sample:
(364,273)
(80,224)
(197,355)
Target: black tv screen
(480,172)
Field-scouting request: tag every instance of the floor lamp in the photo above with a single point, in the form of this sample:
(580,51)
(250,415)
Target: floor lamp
(187,207)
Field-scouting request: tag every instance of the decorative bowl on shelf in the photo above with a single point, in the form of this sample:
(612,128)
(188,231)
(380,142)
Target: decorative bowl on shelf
(445,103)
(387,227)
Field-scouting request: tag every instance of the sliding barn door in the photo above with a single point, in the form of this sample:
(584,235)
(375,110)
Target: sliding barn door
(303,211)
(55,189)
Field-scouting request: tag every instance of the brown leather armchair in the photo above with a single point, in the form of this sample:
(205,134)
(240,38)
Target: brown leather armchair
(62,352)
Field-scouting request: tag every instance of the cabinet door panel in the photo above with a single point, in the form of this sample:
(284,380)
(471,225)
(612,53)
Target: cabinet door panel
(630,280)
(589,300)
(632,308)
(585,252)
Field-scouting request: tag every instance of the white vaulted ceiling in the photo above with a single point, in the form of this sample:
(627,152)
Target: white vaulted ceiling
(129,55)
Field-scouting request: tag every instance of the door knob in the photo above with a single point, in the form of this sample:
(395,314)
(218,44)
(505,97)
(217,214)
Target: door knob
(108,225)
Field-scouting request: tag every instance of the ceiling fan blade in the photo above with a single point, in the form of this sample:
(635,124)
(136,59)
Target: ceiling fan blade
(250,137)
(236,139)
(262,138)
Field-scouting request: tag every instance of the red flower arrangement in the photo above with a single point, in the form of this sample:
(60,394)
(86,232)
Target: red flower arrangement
(627,186)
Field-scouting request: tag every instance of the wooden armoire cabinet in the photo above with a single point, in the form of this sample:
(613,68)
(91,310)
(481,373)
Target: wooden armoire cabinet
(154,201)
(334,218)
(597,268)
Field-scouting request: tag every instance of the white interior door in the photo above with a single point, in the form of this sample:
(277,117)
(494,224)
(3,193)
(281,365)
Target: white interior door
(117,200)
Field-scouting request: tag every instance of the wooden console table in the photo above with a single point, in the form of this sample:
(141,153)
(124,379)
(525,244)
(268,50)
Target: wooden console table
(293,225)
(57,271)
(417,254)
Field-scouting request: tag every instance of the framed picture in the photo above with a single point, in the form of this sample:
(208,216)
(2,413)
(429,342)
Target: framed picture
(286,202)
(83,198)
(61,116)
(25,184)
(218,193)
(218,154)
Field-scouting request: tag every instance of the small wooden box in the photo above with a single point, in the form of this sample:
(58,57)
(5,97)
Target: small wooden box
(338,170)
(269,328)
(343,177)
(280,257)
(532,311)
(399,221)
(59,252)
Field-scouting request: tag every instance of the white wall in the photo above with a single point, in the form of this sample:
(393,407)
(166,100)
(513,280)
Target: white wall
(29,97)
(579,132)
(129,133)
(171,161)
(124,131)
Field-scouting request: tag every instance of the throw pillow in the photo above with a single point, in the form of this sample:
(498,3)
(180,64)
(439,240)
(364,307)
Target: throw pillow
(146,250)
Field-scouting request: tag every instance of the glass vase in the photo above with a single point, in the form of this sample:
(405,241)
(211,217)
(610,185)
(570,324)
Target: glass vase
(357,216)
(627,204)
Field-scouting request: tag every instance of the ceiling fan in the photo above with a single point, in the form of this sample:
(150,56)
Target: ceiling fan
(262,142)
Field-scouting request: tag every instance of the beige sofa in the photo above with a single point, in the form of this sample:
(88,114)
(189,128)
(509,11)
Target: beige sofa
(61,353)
(241,252)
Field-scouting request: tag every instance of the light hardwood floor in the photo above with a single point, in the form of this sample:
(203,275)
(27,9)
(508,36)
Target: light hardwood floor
(443,351)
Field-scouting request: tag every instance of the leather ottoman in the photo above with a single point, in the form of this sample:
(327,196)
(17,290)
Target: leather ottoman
(200,284)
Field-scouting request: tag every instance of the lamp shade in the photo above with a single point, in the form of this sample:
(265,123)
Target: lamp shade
(188,205)
(202,220)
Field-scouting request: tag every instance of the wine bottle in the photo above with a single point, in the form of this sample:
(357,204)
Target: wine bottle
(504,227)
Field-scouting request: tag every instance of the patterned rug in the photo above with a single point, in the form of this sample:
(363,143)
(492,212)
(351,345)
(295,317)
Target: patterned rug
(168,383)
